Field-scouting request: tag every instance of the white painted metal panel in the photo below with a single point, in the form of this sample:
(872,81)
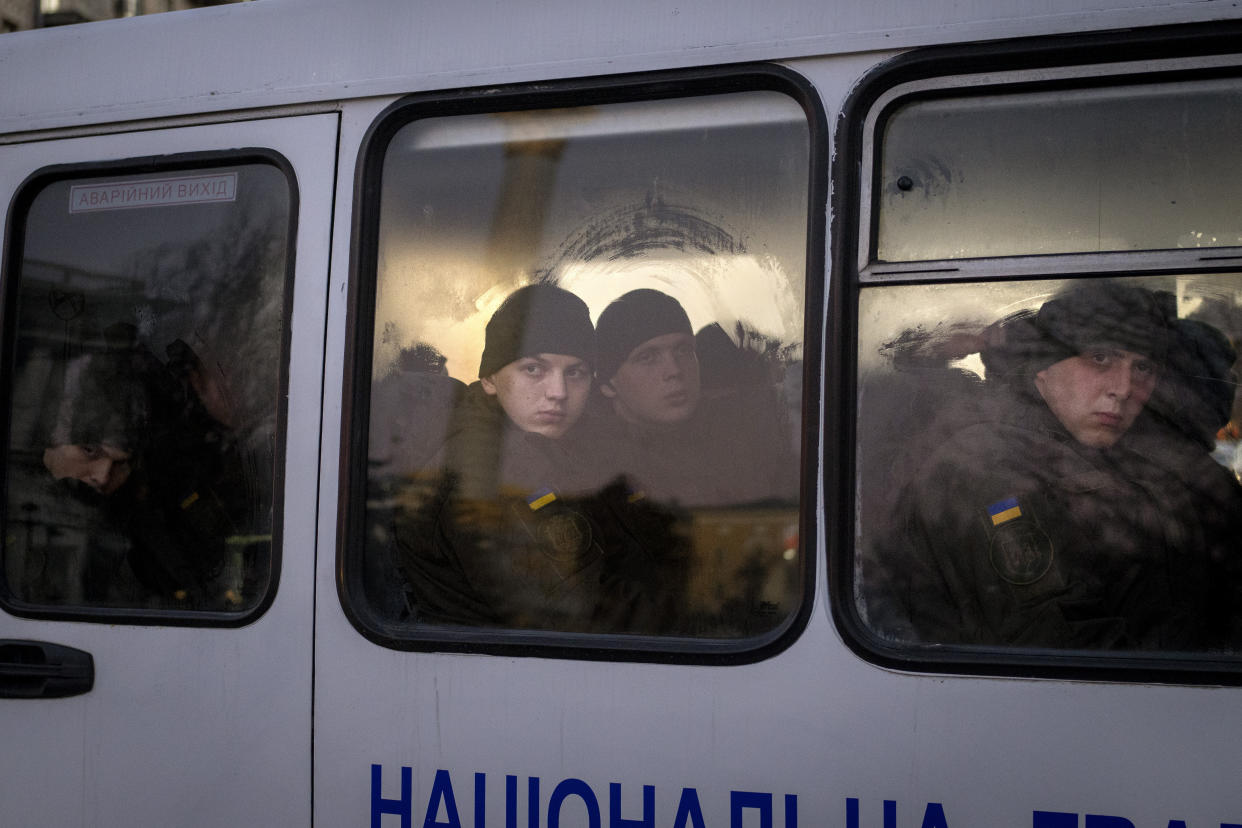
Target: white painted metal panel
(191,726)
(300,51)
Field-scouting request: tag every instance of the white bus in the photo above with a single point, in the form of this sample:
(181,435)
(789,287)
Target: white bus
(933,520)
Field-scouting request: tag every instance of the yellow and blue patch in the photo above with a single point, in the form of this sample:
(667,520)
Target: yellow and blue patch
(540,499)
(1004,510)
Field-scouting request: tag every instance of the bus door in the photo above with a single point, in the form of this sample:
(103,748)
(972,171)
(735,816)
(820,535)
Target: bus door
(162,353)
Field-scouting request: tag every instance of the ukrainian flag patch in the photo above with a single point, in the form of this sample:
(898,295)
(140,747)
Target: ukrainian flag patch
(540,499)
(1004,510)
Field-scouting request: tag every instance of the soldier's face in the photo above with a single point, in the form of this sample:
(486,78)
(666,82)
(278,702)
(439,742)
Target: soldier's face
(658,384)
(1098,394)
(103,467)
(544,393)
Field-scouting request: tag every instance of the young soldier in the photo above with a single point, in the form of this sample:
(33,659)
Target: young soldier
(690,459)
(1050,524)
(135,460)
(504,542)
(667,437)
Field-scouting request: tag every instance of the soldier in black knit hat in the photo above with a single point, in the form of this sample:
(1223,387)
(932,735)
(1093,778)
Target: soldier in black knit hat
(504,542)
(648,367)
(511,428)
(664,433)
(537,359)
(1053,523)
(680,450)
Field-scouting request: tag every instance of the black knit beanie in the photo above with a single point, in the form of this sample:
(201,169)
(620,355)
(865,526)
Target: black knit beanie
(537,319)
(631,320)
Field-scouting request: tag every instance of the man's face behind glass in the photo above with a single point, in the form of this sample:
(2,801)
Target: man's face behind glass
(102,467)
(658,384)
(1098,394)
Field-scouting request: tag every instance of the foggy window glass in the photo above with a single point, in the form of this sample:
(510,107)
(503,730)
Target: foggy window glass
(1145,167)
(1051,464)
(586,384)
(143,374)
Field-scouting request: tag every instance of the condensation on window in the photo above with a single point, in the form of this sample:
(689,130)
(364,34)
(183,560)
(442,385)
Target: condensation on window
(494,502)
(147,320)
(1141,167)
(1051,464)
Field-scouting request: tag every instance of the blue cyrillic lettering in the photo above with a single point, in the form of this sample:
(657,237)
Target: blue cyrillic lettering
(441,790)
(615,819)
(532,803)
(1100,821)
(480,800)
(1053,819)
(689,813)
(1180,823)
(890,813)
(933,817)
(402,807)
(1230,825)
(739,801)
(791,811)
(510,802)
(568,788)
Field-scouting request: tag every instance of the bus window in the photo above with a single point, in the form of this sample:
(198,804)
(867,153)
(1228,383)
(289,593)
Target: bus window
(1052,464)
(143,373)
(1046,470)
(1142,167)
(585,396)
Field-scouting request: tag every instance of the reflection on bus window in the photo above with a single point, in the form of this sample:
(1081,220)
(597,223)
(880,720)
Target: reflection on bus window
(1052,465)
(1139,167)
(585,403)
(143,401)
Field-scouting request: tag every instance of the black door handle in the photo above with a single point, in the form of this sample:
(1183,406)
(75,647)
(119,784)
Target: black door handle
(38,670)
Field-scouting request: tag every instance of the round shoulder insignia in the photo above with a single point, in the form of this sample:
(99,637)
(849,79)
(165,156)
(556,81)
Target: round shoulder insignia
(565,535)
(1021,553)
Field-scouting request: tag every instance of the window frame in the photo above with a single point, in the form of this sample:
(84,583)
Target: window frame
(356,392)
(1119,58)
(189,162)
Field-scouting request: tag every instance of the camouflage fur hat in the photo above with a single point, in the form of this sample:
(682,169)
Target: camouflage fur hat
(1091,315)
